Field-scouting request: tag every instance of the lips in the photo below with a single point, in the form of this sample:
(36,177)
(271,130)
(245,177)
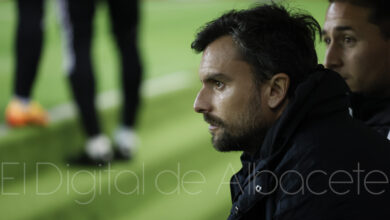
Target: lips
(344,76)
(212,128)
(214,122)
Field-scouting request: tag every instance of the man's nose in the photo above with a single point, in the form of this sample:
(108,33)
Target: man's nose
(333,57)
(201,104)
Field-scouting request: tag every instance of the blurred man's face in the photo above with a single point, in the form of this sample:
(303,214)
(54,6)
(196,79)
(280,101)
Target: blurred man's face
(229,98)
(356,49)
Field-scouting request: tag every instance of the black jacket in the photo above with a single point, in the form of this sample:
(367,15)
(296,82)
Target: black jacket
(315,141)
(374,112)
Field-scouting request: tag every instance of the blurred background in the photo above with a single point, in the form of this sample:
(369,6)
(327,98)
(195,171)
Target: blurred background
(176,173)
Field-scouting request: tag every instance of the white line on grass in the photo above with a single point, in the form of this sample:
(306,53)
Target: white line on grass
(150,88)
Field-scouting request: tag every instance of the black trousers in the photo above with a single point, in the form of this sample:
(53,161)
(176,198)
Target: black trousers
(29,38)
(77,20)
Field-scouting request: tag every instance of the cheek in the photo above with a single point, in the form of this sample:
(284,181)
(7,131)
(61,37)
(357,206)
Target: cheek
(367,67)
(232,102)
(356,62)
(371,61)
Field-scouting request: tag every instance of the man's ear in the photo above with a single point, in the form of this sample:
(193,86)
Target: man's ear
(277,90)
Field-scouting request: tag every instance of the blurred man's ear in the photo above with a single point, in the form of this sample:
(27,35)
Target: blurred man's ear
(277,89)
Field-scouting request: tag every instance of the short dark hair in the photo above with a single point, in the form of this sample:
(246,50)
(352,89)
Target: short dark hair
(379,12)
(270,38)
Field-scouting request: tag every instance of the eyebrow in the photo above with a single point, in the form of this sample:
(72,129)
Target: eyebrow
(216,76)
(339,29)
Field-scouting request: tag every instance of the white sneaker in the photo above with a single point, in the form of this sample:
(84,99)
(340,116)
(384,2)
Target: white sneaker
(125,141)
(98,148)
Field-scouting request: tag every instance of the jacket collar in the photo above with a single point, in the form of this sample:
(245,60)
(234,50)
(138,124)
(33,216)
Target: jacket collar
(322,93)
(372,110)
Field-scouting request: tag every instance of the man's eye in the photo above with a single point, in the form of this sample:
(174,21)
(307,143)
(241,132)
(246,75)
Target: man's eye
(349,40)
(219,84)
(326,40)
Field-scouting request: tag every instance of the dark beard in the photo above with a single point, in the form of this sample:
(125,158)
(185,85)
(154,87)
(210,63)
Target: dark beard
(247,141)
(244,140)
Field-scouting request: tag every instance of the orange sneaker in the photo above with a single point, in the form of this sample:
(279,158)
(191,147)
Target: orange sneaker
(19,114)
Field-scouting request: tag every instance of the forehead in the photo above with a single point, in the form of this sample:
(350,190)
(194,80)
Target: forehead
(222,56)
(342,16)
(222,50)
(344,10)
(346,14)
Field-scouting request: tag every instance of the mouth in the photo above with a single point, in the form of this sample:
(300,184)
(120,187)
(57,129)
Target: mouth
(214,123)
(344,76)
(213,128)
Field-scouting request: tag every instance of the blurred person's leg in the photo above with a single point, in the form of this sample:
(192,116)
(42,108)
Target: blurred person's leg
(28,48)
(78,32)
(77,19)
(124,19)
(28,45)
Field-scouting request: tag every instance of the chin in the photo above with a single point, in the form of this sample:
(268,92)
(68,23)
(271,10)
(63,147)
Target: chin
(225,149)
(223,145)
(355,90)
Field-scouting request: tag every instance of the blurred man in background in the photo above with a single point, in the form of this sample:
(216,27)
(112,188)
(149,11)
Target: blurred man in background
(264,93)
(77,18)
(357,36)
(22,110)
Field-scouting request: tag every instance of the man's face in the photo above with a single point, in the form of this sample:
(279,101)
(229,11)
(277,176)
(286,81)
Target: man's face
(229,98)
(356,49)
